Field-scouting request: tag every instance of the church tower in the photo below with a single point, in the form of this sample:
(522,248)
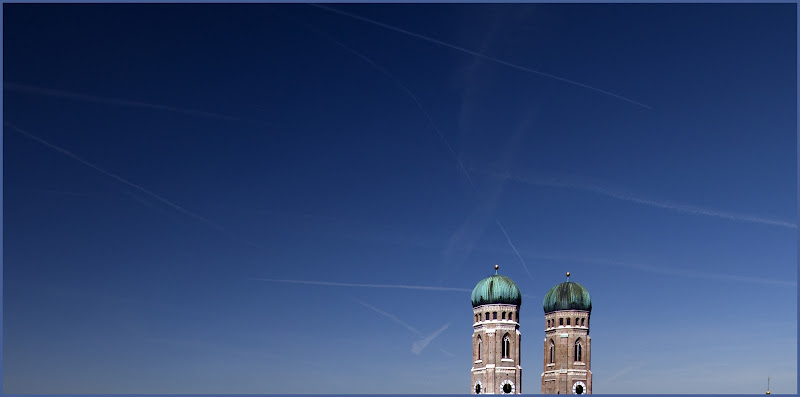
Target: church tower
(496,339)
(567,345)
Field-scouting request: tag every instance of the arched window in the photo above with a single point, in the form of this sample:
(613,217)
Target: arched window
(552,351)
(506,346)
(487,316)
(480,344)
(504,315)
(583,322)
(578,350)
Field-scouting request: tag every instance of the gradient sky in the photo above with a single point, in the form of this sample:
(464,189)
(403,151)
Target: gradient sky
(230,199)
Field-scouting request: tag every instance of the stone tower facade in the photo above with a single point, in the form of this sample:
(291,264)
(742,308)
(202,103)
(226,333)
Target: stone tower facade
(567,353)
(496,350)
(496,338)
(567,344)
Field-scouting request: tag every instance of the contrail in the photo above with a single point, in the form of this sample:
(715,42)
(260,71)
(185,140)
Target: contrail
(50,191)
(403,87)
(421,344)
(670,271)
(524,265)
(417,102)
(114,101)
(624,371)
(389,316)
(691,209)
(684,208)
(417,287)
(447,352)
(123,180)
(417,346)
(477,54)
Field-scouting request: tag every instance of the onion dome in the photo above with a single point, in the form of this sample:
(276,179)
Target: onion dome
(496,289)
(567,296)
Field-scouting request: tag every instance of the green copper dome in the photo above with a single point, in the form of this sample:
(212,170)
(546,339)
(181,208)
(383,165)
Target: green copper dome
(567,296)
(496,289)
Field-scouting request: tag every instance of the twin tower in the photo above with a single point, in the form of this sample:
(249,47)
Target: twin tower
(496,340)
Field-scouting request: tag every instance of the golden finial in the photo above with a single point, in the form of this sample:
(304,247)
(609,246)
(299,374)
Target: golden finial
(495,269)
(768,392)
(567,274)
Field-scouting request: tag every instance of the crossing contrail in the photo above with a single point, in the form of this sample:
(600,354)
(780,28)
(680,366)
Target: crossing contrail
(478,54)
(402,87)
(421,108)
(418,346)
(421,344)
(123,180)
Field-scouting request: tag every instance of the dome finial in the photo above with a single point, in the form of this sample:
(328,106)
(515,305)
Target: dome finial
(567,276)
(495,269)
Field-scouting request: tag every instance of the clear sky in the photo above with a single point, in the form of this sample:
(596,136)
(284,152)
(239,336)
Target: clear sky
(299,199)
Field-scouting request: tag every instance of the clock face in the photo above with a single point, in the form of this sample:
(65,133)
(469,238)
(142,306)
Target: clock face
(579,388)
(507,387)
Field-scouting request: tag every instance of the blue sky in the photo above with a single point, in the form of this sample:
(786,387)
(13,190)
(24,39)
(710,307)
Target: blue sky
(299,199)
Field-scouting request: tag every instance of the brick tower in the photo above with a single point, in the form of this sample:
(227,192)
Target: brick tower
(567,345)
(495,338)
